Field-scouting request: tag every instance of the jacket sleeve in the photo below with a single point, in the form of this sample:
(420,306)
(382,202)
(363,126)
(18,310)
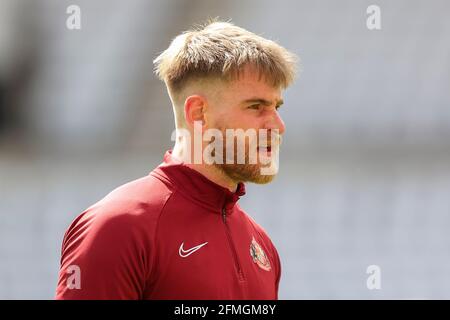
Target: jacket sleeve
(278,270)
(105,255)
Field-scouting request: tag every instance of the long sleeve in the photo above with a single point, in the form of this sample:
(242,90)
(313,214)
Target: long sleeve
(104,256)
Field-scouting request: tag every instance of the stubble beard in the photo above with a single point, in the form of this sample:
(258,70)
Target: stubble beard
(242,172)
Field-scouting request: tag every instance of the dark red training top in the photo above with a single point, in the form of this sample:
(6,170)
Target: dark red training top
(173,234)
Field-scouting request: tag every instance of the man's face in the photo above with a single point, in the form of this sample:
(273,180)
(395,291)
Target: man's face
(248,103)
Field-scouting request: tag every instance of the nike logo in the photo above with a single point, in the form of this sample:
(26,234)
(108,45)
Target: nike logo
(186,253)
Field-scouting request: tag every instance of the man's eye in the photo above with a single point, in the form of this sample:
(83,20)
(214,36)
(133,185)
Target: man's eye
(254,106)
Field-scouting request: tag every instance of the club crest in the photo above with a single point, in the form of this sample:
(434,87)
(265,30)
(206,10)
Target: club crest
(259,256)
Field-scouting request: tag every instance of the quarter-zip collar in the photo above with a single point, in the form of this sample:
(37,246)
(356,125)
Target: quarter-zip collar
(196,186)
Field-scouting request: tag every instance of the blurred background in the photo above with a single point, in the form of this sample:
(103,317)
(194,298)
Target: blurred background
(365,164)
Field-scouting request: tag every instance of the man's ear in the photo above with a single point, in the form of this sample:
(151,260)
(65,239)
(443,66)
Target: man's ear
(194,110)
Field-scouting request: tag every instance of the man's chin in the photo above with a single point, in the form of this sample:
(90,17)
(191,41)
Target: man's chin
(247,173)
(263,179)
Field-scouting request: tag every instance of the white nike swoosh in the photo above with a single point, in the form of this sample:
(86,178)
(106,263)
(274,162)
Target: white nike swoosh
(185,253)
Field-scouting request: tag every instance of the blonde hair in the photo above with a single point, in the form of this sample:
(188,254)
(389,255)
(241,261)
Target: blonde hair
(221,49)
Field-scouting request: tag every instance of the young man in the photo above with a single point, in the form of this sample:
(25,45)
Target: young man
(179,233)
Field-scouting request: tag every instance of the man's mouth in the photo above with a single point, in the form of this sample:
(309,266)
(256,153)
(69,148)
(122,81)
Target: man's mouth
(267,149)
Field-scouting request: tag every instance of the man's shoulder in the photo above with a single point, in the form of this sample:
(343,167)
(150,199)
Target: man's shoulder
(132,206)
(110,236)
(144,194)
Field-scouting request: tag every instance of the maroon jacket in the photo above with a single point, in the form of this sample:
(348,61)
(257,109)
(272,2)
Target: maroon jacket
(173,234)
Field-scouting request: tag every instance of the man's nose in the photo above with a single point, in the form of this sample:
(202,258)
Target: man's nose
(276,122)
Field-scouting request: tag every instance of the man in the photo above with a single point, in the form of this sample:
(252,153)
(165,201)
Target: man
(179,232)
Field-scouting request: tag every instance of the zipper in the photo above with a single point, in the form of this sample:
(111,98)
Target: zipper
(233,249)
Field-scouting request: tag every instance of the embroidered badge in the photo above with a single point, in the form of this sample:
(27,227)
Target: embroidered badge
(259,256)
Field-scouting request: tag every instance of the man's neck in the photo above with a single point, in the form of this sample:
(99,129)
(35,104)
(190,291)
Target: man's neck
(210,171)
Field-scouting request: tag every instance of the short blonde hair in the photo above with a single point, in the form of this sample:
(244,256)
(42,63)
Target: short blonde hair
(221,49)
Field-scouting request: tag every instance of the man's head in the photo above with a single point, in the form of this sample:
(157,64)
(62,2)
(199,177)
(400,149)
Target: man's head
(229,78)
